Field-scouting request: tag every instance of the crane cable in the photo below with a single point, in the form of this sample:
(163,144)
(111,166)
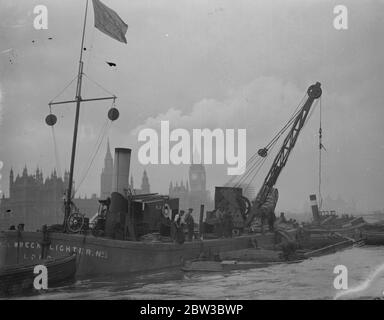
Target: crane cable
(320,149)
(256,172)
(247,174)
(259,168)
(254,166)
(274,142)
(289,122)
(246,167)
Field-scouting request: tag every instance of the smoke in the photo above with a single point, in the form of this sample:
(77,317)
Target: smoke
(260,106)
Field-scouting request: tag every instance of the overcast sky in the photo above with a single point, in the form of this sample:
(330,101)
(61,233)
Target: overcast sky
(201,64)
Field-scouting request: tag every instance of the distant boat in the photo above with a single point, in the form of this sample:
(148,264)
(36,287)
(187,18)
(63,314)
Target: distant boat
(261,258)
(374,234)
(18,279)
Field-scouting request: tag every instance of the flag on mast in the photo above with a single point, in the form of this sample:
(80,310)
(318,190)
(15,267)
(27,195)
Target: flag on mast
(109,22)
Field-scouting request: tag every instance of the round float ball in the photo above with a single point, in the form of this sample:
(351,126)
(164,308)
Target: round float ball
(263,152)
(51,120)
(113,114)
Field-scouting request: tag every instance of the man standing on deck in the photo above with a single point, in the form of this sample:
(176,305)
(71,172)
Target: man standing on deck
(178,225)
(265,210)
(282,218)
(190,224)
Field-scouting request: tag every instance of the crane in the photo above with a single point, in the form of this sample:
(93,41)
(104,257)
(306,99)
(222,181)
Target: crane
(314,92)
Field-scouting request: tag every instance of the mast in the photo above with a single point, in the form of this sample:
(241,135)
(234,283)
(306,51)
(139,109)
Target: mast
(51,120)
(76,126)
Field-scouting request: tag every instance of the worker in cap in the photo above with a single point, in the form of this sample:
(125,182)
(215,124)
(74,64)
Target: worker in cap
(190,223)
(178,228)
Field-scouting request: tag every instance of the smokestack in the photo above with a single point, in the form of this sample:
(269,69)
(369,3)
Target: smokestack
(122,162)
(315,208)
(118,210)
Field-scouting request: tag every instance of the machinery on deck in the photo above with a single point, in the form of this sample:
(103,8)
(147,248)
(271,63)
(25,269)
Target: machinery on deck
(231,199)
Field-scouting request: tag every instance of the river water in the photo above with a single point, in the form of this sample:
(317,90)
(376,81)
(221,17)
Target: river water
(310,279)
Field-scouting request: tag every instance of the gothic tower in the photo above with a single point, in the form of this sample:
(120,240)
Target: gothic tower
(106,175)
(145,187)
(11,183)
(197,178)
(198,193)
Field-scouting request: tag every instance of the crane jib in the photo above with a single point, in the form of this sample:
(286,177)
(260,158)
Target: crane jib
(314,92)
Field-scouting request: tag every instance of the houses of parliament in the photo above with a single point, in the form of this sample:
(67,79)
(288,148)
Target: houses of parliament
(34,200)
(192,193)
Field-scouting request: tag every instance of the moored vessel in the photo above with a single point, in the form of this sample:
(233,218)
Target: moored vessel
(19,278)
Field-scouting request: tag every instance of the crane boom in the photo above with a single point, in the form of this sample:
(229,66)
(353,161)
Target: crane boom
(314,92)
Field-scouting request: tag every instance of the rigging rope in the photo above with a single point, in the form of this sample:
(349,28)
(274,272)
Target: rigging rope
(104,130)
(99,85)
(65,88)
(57,158)
(90,51)
(102,135)
(56,150)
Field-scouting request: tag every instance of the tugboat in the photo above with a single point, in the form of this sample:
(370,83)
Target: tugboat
(117,241)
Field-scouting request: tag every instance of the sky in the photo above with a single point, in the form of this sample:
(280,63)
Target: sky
(241,64)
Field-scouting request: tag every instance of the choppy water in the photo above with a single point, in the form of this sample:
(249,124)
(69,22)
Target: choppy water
(310,279)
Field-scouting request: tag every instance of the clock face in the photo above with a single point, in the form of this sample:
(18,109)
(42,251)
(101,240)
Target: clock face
(194,176)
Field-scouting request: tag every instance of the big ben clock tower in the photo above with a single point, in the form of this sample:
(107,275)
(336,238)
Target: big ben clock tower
(198,194)
(197,178)
(195,193)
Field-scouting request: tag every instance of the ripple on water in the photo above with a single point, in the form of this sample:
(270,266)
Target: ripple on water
(310,279)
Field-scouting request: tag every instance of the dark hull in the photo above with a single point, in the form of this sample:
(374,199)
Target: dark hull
(213,266)
(18,279)
(101,256)
(258,258)
(353,232)
(374,238)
